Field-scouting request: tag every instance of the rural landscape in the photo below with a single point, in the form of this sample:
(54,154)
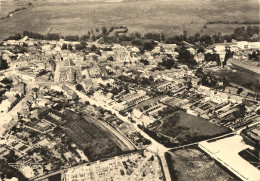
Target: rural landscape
(166,16)
(129,90)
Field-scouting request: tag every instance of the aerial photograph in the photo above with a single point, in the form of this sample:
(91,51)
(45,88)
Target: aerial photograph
(129,90)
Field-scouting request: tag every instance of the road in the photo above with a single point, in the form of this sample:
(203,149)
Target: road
(7,117)
(155,146)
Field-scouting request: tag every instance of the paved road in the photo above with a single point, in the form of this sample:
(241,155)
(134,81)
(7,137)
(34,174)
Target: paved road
(7,117)
(165,167)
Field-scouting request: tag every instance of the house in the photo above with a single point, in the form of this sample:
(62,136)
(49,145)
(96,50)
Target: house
(208,51)
(38,112)
(20,88)
(236,99)
(70,93)
(46,48)
(13,101)
(192,51)
(254,45)
(105,81)
(168,48)
(199,57)
(133,99)
(195,81)
(137,114)
(242,45)
(26,106)
(220,48)
(95,72)
(5,105)
(157,49)
(233,48)
(218,97)
(204,90)
(135,50)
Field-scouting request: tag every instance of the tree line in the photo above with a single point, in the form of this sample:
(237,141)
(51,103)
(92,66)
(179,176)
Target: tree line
(234,22)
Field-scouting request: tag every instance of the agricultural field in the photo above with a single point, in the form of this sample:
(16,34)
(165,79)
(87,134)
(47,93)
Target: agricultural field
(161,16)
(190,164)
(186,128)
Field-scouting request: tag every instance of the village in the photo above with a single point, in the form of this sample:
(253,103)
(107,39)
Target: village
(50,94)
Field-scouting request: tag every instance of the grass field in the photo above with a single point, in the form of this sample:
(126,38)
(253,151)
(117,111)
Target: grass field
(241,77)
(190,164)
(188,128)
(164,16)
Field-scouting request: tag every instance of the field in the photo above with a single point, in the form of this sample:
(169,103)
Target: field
(191,165)
(96,141)
(161,16)
(242,77)
(187,128)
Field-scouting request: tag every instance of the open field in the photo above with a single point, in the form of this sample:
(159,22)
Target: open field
(96,140)
(188,128)
(191,165)
(241,76)
(164,16)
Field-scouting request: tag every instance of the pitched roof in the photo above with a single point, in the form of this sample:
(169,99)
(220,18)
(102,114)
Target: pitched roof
(138,114)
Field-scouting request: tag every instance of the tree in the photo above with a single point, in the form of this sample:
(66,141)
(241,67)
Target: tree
(3,64)
(162,37)
(144,61)
(93,37)
(104,30)
(93,48)
(149,45)
(185,56)
(79,47)
(110,58)
(64,46)
(70,47)
(79,87)
(11,157)
(228,55)
(167,62)
(84,38)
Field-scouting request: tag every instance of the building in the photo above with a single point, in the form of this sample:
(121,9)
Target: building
(199,57)
(169,48)
(20,88)
(220,48)
(67,72)
(70,93)
(218,97)
(242,45)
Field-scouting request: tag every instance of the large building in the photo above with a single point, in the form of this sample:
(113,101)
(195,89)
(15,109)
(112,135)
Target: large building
(67,72)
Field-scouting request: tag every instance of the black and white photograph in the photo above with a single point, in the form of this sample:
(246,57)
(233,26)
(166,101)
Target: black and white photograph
(129,90)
